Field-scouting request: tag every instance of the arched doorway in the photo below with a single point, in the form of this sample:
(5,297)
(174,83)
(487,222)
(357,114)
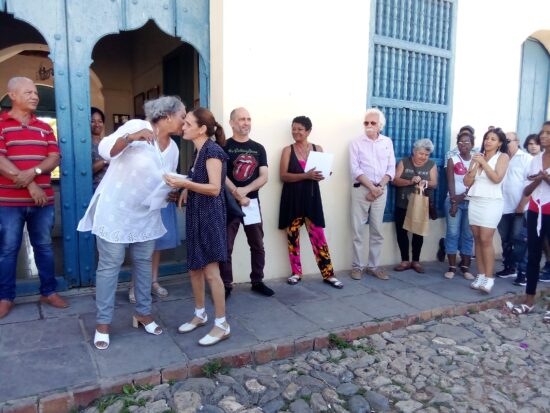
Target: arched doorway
(133,67)
(25,52)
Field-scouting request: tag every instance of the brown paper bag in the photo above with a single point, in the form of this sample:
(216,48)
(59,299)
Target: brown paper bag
(417,219)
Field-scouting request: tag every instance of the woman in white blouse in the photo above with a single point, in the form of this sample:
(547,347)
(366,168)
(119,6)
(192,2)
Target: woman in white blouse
(125,209)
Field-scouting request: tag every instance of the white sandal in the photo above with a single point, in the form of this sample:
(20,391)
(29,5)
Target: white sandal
(188,327)
(522,309)
(101,338)
(151,328)
(209,340)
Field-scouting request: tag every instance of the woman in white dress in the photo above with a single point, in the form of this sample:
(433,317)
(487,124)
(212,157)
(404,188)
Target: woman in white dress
(484,177)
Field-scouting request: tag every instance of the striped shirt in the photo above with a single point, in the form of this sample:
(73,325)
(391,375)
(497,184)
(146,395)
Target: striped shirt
(26,146)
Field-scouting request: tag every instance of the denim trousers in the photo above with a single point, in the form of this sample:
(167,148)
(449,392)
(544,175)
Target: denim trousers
(111,257)
(459,235)
(39,222)
(509,228)
(520,248)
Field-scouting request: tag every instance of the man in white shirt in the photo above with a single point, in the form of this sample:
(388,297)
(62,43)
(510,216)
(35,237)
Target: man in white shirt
(511,222)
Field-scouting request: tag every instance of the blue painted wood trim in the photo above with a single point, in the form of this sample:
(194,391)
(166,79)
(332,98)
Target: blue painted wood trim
(451,75)
(415,47)
(32,287)
(409,104)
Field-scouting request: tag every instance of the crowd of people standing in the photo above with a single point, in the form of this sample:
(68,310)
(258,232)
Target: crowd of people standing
(136,189)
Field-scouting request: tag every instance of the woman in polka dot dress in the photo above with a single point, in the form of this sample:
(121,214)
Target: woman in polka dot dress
(206,220)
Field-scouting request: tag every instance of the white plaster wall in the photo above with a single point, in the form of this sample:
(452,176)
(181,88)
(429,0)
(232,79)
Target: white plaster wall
(287,58)
(490,34)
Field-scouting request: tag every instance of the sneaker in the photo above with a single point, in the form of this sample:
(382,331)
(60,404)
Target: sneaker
(378,273)
(356,273)
(506,273)
(520,280)
(261,288)
(545,277)
(487,285)
(477,282)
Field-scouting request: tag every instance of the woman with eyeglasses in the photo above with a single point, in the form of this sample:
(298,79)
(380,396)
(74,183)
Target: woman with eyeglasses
(411,173)
(485,175)
(459,234)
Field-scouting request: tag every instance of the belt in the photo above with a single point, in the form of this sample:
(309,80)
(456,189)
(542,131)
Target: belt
(357,185)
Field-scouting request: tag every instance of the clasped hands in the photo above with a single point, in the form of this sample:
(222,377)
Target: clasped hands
(540,176)
(375,193)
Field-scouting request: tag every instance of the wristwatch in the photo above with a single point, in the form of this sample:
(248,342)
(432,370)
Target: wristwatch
(38,171)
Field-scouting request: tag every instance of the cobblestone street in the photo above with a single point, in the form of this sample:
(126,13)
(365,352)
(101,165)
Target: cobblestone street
(489,361)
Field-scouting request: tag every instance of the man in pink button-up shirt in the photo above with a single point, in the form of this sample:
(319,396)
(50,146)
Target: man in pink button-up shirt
(372,165)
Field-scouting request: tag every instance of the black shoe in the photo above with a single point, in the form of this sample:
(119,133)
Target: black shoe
(261,288)
(506,273)
(544,277)
(227,291)
(520,280)
(441,250)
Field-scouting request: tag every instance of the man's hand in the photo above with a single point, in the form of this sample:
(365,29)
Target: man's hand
(244,201)
(37,194)
(241,193)
(23,178)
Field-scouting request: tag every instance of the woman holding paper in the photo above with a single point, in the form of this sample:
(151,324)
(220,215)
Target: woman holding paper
(205,220)
(120,218)
(301,204)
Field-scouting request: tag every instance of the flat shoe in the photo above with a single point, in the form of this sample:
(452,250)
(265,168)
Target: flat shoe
(334,282)
(209,340)
(522,309)
(188,327)
(101,338)
(159,291)
(54,300)
(418,268)
(151,328)
(402,267)
(293,279)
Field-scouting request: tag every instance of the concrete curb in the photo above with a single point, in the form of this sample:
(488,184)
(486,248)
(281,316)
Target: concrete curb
(63,400)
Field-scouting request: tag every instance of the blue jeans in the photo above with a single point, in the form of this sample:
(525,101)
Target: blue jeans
(39,222)
(509,228)
(459,235)
(520,247)
(111,257)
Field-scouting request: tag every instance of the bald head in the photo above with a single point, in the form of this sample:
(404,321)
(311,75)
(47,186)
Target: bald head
(23,95)
(241,123)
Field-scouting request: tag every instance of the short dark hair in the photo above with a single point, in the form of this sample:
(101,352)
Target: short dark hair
(93,110)
(529,138)
(467,128)
(304,121)
(465,133)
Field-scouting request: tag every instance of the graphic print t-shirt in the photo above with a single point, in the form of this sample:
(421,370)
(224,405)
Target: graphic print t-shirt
(245,160)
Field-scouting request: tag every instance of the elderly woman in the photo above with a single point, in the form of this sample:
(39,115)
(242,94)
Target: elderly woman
(205,220)
(301,204)
(484,177)
(119,215)
(459,235)
(99,165)
(410,173)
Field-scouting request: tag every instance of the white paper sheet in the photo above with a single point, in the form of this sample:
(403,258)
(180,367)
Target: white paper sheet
(321,161)
(157,198)
(252,213)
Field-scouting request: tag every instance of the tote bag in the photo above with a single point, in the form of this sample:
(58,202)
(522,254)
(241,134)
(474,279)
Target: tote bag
(417,219)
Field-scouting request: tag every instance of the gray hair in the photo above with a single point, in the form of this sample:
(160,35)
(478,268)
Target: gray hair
(381,117)
(162,107)
(14,82)
(425,144)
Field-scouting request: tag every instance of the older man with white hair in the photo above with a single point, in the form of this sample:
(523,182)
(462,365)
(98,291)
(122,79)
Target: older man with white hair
(372,165)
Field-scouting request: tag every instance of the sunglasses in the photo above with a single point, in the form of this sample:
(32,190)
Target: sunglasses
(367,123)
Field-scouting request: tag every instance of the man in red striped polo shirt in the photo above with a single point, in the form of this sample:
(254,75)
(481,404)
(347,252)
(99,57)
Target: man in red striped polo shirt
(28,154)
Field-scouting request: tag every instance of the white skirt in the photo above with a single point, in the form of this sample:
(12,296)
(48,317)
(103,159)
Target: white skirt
(485,212)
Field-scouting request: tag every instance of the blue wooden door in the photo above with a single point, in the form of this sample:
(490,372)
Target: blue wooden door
(411,65)
(534,88)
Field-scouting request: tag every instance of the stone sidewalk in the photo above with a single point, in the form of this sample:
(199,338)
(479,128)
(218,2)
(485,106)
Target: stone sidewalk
(49,364)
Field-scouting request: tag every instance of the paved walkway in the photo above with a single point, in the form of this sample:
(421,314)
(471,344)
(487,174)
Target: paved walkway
(47,357)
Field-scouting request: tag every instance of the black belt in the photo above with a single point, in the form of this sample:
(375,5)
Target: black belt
(357,185)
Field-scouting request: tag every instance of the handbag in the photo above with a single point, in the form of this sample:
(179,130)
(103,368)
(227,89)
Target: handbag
(232,208)
(417,219)
(432,210)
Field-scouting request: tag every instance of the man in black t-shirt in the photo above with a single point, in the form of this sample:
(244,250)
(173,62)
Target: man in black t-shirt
(246,174)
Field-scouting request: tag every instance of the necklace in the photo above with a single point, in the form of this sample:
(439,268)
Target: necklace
(301,153)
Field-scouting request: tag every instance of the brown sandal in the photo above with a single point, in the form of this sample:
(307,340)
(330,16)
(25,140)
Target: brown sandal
(417,267)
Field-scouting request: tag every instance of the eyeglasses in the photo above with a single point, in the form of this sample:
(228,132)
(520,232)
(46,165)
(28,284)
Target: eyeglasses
(465,143)
(511,140)
(367,123)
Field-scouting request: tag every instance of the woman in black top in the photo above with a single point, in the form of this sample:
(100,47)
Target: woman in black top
(301,204)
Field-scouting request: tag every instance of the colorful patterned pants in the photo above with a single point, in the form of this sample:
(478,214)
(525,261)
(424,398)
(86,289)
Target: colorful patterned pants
(318,244)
